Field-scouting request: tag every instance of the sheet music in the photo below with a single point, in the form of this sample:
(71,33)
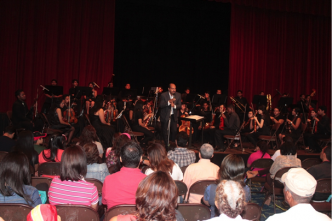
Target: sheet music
(195,117)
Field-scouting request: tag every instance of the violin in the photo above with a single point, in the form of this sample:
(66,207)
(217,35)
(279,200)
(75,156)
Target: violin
(185,127)
(69,115)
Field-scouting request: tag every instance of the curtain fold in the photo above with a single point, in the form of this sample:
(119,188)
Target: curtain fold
(42,40)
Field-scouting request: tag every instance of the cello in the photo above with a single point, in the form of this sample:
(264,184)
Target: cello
(69,114)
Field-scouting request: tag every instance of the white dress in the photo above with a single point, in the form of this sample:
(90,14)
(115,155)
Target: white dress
(176,172)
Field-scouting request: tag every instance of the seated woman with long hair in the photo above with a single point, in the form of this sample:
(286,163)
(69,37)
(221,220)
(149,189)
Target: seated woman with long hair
(70,187)
(25,145)
(261,153)
(95,167)
(56,120)
(15,181)
(159,162)
(54,151)
(232,168)
(104,130)
(113,158)
(89,135)
(156,199)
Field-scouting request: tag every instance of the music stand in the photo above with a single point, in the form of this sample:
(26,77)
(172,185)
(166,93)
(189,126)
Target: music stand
(55,90)
(219,99)
(284,103)
(87,91)
(259,100)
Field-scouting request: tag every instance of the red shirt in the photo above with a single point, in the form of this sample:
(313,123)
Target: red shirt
(120,187)
(47,154)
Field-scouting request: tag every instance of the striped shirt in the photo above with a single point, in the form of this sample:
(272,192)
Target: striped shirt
(72,192)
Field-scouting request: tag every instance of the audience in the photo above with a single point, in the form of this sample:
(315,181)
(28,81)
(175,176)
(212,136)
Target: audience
(89,135)
(159,162)
(43,212)
(15,181)
(232,168)
(54,151)
(261,153)
(299,187)
(38,140)
(24,144)
(181,155)
(156,199)
(6,140)
(286,138)
(95,168)
(202,170)
(70,187)
(322,170)
(113,158)
(120,187)
(230,200)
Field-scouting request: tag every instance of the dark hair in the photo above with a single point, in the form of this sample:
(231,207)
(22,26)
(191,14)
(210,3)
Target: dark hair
(14,174)
(182,139)
(98,104)
(54,80)
(327,152)
(288,138)
(93,85)
(231,106)
(297,110)
(55,143)
(56,104)
(278,108)
(73,164)
(131,154)
(301,95)
(119,140)
(158,158)
(25,145)
(263,108)
(91,152)
(65,95)
(169,85)
(156,197)
(88,135)
(74,81)
(18,92)
(188,88)
(323,108)
(239,91)
(287,148)
(263,146)
(10,130)
(232,168)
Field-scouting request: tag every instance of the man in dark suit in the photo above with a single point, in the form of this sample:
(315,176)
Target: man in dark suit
(169,102)
(22,117)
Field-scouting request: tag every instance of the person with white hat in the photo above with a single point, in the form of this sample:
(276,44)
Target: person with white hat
(299,188)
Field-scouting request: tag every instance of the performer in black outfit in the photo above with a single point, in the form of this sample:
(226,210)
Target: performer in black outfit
(138,125)
(323,130)
(231,126)
(75,96)
(293,127)
(21,116)
(243,101)
(169,102)
(126,95)
(49,98)
(278,118)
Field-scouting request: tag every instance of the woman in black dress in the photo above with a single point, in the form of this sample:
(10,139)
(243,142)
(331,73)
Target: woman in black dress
(138,125)
(262,121)
(57,122)
(104,130)
(293,127)
(90,100)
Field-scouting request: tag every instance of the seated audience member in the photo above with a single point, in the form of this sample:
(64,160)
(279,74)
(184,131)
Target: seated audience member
(202,170)
(230,200)
(286,138)
(24,144)
(38,140)
(261,153)
(70,187)
(15,181)
(120,187)
(89,135)
(6,140)
(156,199)
(159,162)
(54,151)
(43,212)
(322,170)
(299,187)
(96,169)
(181,155)
(232,168)
(113,158)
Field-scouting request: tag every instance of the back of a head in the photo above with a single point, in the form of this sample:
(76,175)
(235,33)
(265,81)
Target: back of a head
(91,152)
(262,146)
(24,142)
(131,154)
(73,164)
(158,158)
(10,130)
(232,168)
(287,148)
(55,143)
(14,173)
(88,135)
(230,198)
(182,139)
(156,197)
(119,141)
(327,151)
(206,151)
(288,138)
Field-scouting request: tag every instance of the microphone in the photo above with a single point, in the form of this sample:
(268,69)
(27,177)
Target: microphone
(278,91)
(200,96)
(44,88)
(94,83)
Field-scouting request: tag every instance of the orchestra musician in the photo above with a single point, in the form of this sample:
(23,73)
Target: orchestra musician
(110,84)
(231,126)
(185,94)
(182,111)
(261,126)
(240,99)
(170,101)
(90,100)
(293,127)
(49,98)
(77,122)
(278,118)
(126,96)
(75,95)
(21,115)
(248,125)
(323,130)
(206,99)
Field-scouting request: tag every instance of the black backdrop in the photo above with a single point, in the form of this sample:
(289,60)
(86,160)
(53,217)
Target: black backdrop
(180,41)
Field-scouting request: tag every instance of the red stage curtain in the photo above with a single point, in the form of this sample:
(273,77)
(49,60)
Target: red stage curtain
(273,49)
(42,40)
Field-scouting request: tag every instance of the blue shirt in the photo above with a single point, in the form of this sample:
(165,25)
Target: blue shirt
(97,171)
(31,191)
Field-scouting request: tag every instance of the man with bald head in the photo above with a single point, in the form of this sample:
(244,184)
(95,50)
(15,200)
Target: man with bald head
(169,102)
